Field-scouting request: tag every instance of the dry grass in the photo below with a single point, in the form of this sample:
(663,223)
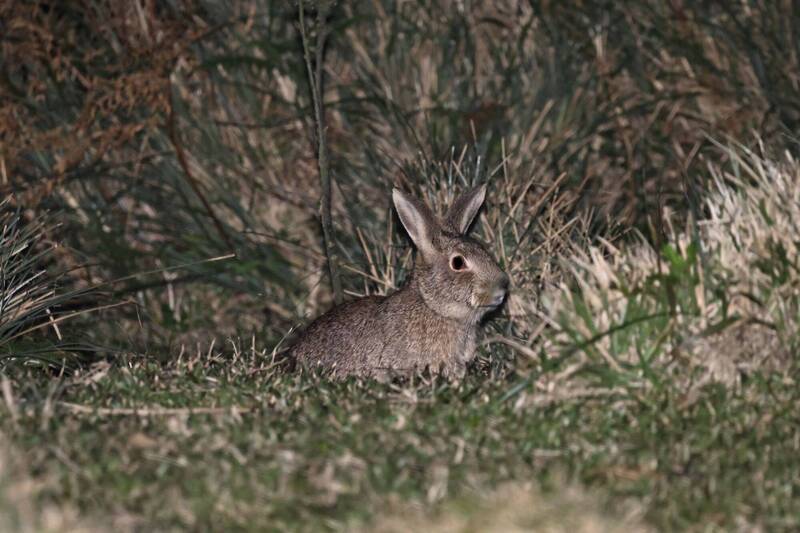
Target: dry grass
(717,303)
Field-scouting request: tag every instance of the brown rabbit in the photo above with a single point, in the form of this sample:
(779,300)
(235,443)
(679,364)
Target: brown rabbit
(432,322)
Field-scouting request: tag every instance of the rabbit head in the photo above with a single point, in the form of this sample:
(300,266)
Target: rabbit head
(455,275)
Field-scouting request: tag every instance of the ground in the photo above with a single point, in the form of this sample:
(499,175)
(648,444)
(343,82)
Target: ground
(132,446)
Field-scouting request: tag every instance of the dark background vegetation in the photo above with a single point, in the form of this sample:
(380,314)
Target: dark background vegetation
(161,235)
(165,133)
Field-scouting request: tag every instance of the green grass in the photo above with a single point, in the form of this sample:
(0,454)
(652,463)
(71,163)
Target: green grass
(311,454)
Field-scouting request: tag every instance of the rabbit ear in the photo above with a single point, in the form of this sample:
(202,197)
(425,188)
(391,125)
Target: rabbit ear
(417,219)
(461,214)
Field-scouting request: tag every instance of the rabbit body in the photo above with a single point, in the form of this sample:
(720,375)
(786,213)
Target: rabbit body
(380,335)
(433,321)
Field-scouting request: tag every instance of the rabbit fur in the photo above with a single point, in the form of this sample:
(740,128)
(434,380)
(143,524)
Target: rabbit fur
(432,322)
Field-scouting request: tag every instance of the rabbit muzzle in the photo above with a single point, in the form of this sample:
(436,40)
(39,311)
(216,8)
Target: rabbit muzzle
(495,293)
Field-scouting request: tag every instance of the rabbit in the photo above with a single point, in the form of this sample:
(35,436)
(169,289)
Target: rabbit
(430,323)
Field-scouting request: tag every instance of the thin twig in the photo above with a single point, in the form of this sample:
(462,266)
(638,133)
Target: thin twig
(63,318)
(516,345)
(315,79)
(173,137)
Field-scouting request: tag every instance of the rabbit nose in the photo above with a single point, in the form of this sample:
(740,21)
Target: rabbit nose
(500,291)
(504,282)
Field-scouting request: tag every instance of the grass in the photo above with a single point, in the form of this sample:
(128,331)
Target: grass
(642,376)
(290,452)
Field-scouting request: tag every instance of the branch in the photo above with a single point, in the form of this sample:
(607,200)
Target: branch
(153,410)
(315,78)
(173,137)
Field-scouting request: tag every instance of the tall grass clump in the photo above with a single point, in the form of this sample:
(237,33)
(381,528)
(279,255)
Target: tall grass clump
(33,306)
(26,291)
(717,303)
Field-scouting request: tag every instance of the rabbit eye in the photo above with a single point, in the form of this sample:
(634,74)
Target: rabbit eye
(457,262)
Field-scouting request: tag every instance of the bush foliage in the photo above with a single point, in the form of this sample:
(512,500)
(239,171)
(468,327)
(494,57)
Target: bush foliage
(166,133)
